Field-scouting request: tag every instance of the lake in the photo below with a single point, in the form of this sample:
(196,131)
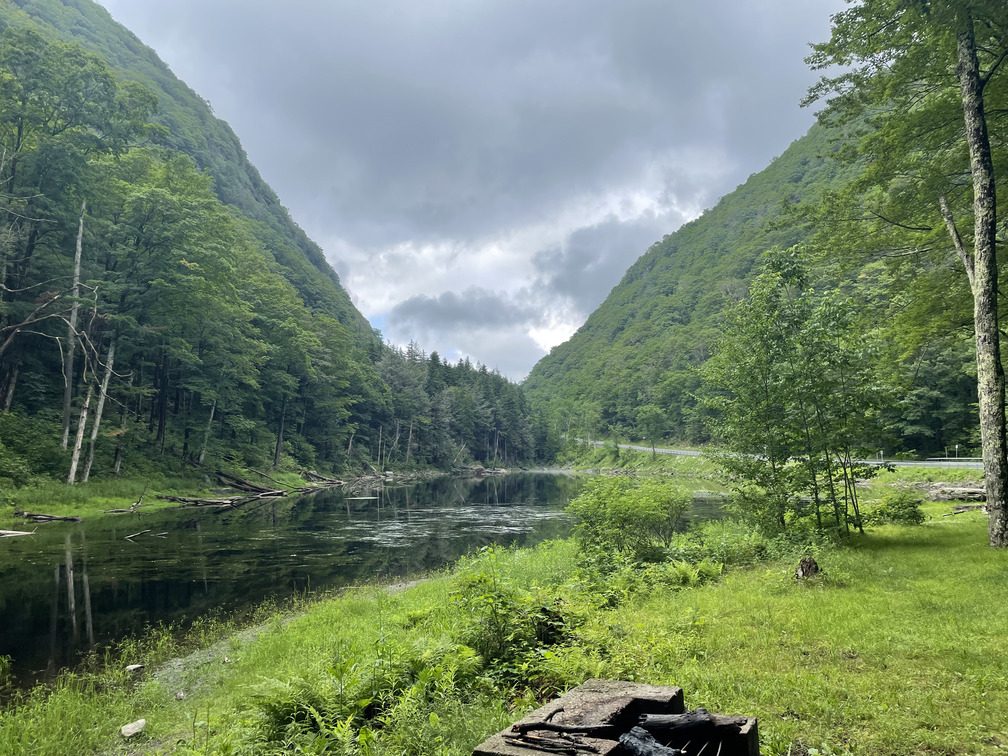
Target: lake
(192,562)
(76,586)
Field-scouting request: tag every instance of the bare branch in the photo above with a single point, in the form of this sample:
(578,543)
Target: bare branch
(964,255)
(891,222)
(994,67)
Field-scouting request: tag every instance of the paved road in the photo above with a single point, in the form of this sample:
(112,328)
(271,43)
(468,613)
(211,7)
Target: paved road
(965,463)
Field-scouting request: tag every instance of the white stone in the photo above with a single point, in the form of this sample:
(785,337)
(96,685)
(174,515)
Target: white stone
(133,728)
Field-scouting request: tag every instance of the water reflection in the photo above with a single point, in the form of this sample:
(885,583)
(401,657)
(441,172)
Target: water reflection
(71,587)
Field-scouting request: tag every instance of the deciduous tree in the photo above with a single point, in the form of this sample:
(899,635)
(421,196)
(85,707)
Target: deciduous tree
(920,82)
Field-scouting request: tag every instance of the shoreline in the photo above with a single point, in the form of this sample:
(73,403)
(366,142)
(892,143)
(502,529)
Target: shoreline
(751,641)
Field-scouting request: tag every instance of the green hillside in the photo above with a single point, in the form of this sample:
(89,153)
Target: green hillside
(643,342)
(204,328)
(193,129)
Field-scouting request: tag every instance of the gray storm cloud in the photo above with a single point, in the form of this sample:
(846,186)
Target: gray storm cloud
(441,147)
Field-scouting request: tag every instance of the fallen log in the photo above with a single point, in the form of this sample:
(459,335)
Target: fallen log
(200,501)
(274,480)
(313,477)
(228,501)
(37,517)
(13,533)
(246,485)
(134,535)
(132,507)
(960,508)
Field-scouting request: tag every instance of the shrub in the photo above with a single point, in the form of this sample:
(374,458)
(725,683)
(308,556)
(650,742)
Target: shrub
(30,447)
(900,507)
(509,626)
(628,516)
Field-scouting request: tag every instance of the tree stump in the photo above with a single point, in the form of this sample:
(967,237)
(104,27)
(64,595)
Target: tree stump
(807,568)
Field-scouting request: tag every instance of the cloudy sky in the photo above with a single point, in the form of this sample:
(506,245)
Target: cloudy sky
(482,172)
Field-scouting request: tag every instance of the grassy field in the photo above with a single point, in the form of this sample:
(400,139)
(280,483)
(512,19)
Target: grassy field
(898,649)
(93,498)
(610,457)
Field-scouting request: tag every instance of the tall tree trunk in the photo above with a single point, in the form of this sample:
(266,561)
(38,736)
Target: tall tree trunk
(75,457)
(280,430)
(984,281)
(162,404)
(206,434)
(394,446)
(117,462)
(102,393)
(72,330)
(11,384)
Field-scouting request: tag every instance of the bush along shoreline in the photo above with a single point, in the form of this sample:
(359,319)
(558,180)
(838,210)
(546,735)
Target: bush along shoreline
(895,647)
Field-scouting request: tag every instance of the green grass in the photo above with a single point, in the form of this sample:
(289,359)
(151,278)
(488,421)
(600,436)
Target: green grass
(930,475)
(92,499)
(898,649)
(609,457)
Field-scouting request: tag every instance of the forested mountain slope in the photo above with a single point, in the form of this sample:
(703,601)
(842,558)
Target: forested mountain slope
(643,342)
(637,356)
(194,130)
(159,308)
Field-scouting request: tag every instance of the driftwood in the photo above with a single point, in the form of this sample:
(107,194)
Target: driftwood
(201,502)
(230,502)
(134,535)
(313,477)
(13,533)
(34,517)
(274,480)
(486,472)
(247,486)
(132,507)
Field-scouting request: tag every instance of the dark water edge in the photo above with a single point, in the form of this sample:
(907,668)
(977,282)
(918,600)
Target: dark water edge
(74,587)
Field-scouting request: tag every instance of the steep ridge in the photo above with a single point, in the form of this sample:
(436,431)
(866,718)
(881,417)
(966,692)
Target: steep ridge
(211,323)
(194,130)
(659,322)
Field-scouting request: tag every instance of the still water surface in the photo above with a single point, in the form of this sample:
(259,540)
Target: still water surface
(71,586)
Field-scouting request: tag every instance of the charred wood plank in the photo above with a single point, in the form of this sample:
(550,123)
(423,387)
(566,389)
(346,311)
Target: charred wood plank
(730,735)
(640,742)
